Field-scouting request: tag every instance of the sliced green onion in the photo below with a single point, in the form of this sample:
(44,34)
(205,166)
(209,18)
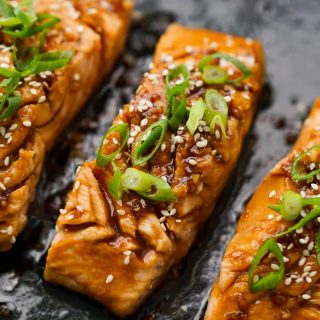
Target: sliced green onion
(147,186)
(13,105)
(275,207)
(154,134)
(123,130)
(205,62)
(291,205)
(271,280)
(196,114)
(6,10)
(114,186)
(217,121)
(179,111)
(296,173)
(317,246)
(214,75)
(177,89)
(314,213)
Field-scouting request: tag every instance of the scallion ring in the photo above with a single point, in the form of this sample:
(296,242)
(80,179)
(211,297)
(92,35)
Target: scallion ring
(271,280)
(179,111)
(197,112)
(147,186)
(214,75)
(152,139)
(296,174)
(205,63)
(123,130)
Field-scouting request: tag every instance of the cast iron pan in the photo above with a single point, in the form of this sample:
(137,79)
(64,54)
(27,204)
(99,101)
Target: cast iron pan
(289,30)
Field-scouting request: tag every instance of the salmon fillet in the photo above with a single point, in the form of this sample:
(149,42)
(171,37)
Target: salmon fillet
(118,252)
(297,296)
(95,31)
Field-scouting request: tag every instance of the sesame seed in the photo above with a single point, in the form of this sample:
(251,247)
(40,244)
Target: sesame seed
(285,259)
(178,139)
(199,83)
(189,49)
(299,231)
(272,194)
(314,186)
(304,240)
(63,211)
(13,127)
(121,212)
(308,279)
(255,278)
(178,221)
(313,273)
(274,266)
(109,278)
(193,162)
(202,144)
(76,76)
(279,218)
(27,123)
(307,268)
(10,230)
(80,29)
(163,227)
(227,98)
(127,253)
(115,141)
(130,140)
(299,280)
(165,213)
(6,161)
(302,261)
(92,11)
(33,91)
(79,208)
(144,122)
(288,281)
(13,240)
(270,216)
(2,186)
(173,212)
(306,296)
(163,147)
(172,148)
(70,217)
(126,260)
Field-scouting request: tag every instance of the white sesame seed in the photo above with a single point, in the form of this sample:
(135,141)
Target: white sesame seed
(288,281)
(302,261)
(227,98)
(279,218)
(285,259)
(165,213)
(274,266)
(115,141)
(308,279)
(163,147)
(13,127)
(144,122)
(80,29)
(130,140)
(307,268)
(313,273)
(10,230)
(79,208)
(34,91)
(272,194)
(92,11)
(126,260)
(70,217)
(109,278)
(306,296)
(255,278)
(2,186)
(270,216)
(314,186)
(121,212)
(27,123)
(306,253)
(76,76)
(193,162)
(172,148)
(178,221)
(63,211)
(6,161)
(13,240)
(178,139)
(202,144)
(299,231)
(199,83)
(299,280)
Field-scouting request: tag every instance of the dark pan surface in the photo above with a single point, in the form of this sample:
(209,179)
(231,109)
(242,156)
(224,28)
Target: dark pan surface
(289,30)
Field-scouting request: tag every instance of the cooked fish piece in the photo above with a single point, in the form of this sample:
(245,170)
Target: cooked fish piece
(297,295)
(118,251)
(51,99)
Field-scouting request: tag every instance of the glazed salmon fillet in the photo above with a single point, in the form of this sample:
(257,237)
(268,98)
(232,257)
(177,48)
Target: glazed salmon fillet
(94,31)
(118,250)
(296,293)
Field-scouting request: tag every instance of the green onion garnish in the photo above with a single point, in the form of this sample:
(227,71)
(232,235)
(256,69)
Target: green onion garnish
(123,130)
(181,84)
(217,111)
(196,114)
(114,186)
(178,113)
(216,76)
(147,186)
(271,280)
(296,174)
(22,22)
(317,246)
(151,138)
(292,204)
(314,213)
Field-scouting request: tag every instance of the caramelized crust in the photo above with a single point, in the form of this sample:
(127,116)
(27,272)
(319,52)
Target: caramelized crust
(117,252)
(51,100)
(298,294)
